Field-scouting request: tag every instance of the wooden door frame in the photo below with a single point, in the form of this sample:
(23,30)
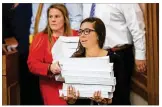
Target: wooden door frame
(153,54)
(147,84)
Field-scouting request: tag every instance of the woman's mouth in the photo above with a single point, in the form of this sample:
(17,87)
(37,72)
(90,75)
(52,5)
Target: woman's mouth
(83,41)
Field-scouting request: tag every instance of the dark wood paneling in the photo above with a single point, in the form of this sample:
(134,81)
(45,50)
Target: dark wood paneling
(10,82)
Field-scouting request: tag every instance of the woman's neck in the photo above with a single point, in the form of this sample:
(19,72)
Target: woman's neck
(93,52)
(58,33)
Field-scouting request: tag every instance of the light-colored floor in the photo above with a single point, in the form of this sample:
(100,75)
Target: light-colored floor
(137,100)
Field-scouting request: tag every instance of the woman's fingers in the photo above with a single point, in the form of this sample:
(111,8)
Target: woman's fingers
(77,94)
(97,97)
(55,68)
(71,93)
(68,91)
(74,93)
(64,97)
(109,101)
(95,94)
(58,66)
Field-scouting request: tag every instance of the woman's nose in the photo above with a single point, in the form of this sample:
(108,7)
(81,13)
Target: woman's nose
(53,19)
(82,35)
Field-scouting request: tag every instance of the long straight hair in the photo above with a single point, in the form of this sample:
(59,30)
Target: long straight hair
(67,28)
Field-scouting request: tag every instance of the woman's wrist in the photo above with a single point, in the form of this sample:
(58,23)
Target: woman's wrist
(105,101)
(49,67)
(71,101)
(49,73)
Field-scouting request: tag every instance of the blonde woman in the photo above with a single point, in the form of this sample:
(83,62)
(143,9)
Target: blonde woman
(40,57)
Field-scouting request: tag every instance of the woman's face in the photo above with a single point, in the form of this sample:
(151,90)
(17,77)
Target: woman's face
(87,35)
(56,19)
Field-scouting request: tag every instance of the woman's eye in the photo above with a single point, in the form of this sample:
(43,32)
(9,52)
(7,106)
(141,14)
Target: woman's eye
(86,31)
(50,16)
(57,16)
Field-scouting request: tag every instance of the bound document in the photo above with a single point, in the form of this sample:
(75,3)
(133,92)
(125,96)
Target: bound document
(88,93)
(98,66)
(64,47)
(83,87)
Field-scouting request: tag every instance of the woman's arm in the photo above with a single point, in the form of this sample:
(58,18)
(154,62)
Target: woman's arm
(35,61)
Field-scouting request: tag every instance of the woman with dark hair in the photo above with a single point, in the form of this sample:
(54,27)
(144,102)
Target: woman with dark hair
(92,35)
(40,57)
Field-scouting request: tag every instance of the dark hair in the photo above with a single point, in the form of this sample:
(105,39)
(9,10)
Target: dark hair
(64,11)
(100,29)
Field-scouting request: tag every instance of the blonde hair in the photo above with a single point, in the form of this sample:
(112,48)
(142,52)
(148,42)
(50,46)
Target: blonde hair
(64,11)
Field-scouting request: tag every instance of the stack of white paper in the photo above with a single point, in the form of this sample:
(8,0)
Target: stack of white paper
(83,87)
(98,73)
(83,94)
(64,47)
(85,74)
(88,75)
(99,66)
(90,80)
(97,60)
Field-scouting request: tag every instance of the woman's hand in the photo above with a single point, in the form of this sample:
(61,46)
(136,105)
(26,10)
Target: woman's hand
(97,98)
(55,68)
(72,95)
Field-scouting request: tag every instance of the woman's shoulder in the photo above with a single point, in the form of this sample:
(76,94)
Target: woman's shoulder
(40,38)
(41,35)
